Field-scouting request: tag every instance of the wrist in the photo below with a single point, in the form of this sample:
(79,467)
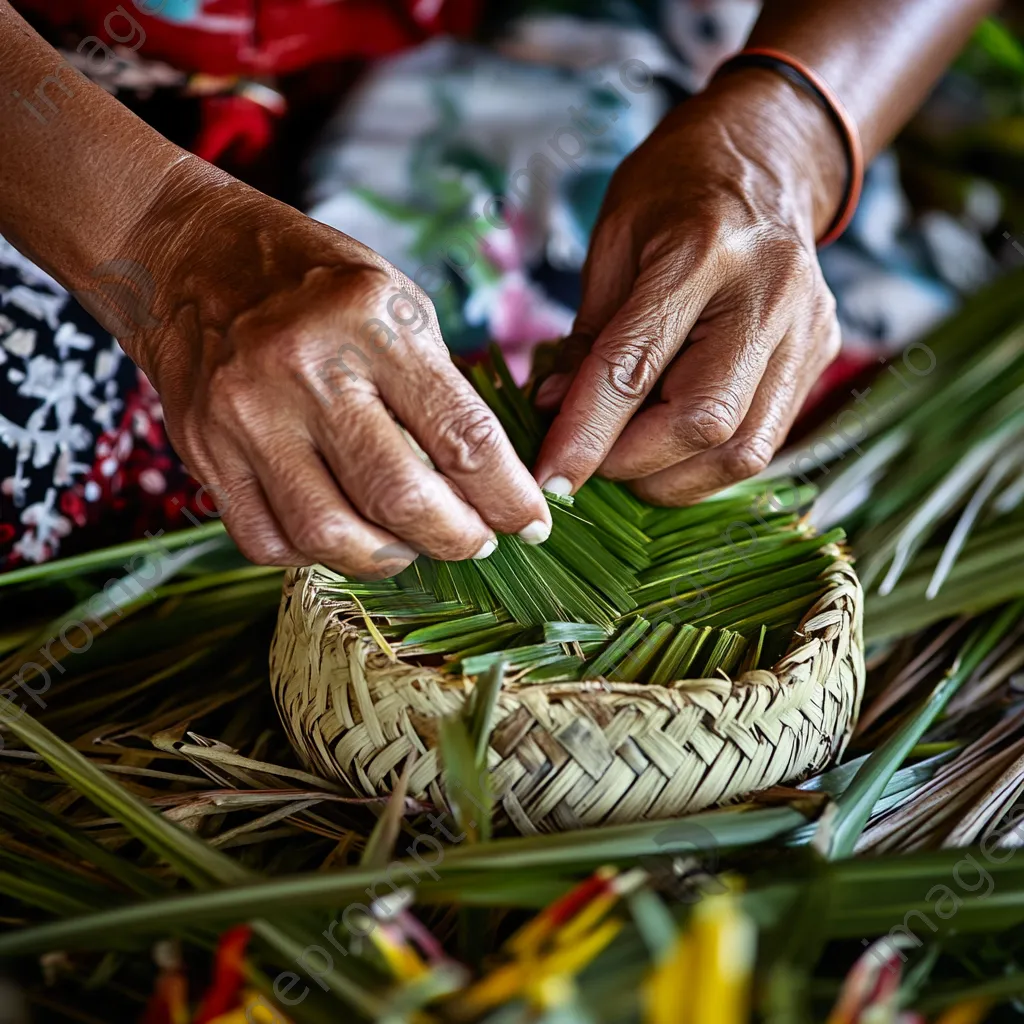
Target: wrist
(791,135)
(172,248)
(214,249)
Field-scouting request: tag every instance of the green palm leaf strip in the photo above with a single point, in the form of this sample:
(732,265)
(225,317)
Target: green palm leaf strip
(526,872)
(568,609)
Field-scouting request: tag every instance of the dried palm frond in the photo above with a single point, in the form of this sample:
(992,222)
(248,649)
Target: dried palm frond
(926,471)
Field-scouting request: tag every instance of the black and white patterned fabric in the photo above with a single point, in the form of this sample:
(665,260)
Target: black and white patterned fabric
(63,382)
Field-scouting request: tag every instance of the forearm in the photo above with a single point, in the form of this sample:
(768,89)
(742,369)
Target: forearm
(880,56)
(78,170)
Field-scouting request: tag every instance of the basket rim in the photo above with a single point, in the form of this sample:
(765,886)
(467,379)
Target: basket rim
(838,575)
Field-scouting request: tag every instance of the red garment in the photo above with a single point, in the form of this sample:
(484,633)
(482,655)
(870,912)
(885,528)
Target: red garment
(261,37)
(233,124)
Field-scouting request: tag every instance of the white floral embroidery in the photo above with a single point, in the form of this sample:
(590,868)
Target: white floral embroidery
(54,446)
(36,304)
(69,337)
(21,342)
(46,528)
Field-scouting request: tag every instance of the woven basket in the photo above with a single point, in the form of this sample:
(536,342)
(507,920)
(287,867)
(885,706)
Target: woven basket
(569,755)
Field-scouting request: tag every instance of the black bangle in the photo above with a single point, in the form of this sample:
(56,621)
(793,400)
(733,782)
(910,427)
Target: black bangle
(797,73)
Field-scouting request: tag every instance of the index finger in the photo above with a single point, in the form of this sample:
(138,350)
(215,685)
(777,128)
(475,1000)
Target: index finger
(463,437)
(622,367)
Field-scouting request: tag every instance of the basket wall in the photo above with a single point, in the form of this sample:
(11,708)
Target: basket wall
(569,755)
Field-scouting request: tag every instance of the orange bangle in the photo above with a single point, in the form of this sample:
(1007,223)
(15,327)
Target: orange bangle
(799,74)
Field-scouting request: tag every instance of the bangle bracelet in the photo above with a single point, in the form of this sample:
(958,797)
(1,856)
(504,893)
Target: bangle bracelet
(805,78)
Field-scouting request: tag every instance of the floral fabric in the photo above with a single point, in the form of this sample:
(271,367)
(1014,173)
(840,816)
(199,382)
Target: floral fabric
(82,445)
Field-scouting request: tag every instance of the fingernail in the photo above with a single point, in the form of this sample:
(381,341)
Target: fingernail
(395,553)
(557,485)
(535,533)
(487,550)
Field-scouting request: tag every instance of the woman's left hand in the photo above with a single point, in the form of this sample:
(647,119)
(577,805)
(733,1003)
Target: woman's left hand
(705,319)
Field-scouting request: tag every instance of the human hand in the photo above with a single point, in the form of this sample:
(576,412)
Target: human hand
(286,355)
(705,319)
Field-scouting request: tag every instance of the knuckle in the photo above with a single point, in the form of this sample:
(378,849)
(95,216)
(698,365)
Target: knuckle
(661,245)
(469,439)
(629,369)
(827,306)
(747,458)
(230,397)
(385,306)
(801,265)
(720,235)
(366,288)
(833,343)
(265,335)
(697,241)
(616,223)
(710,424)
(323,536)
(400,501)
(418,297)
(292,350)
(785,261)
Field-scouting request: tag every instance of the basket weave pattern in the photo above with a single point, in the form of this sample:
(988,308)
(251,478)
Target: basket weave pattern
(574,754)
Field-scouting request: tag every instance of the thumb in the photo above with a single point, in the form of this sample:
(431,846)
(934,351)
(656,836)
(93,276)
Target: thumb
(606,281)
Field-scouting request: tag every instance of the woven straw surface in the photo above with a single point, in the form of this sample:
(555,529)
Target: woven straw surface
(569,755)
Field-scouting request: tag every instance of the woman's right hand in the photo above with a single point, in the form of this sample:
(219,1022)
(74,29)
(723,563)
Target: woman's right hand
(288,357)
